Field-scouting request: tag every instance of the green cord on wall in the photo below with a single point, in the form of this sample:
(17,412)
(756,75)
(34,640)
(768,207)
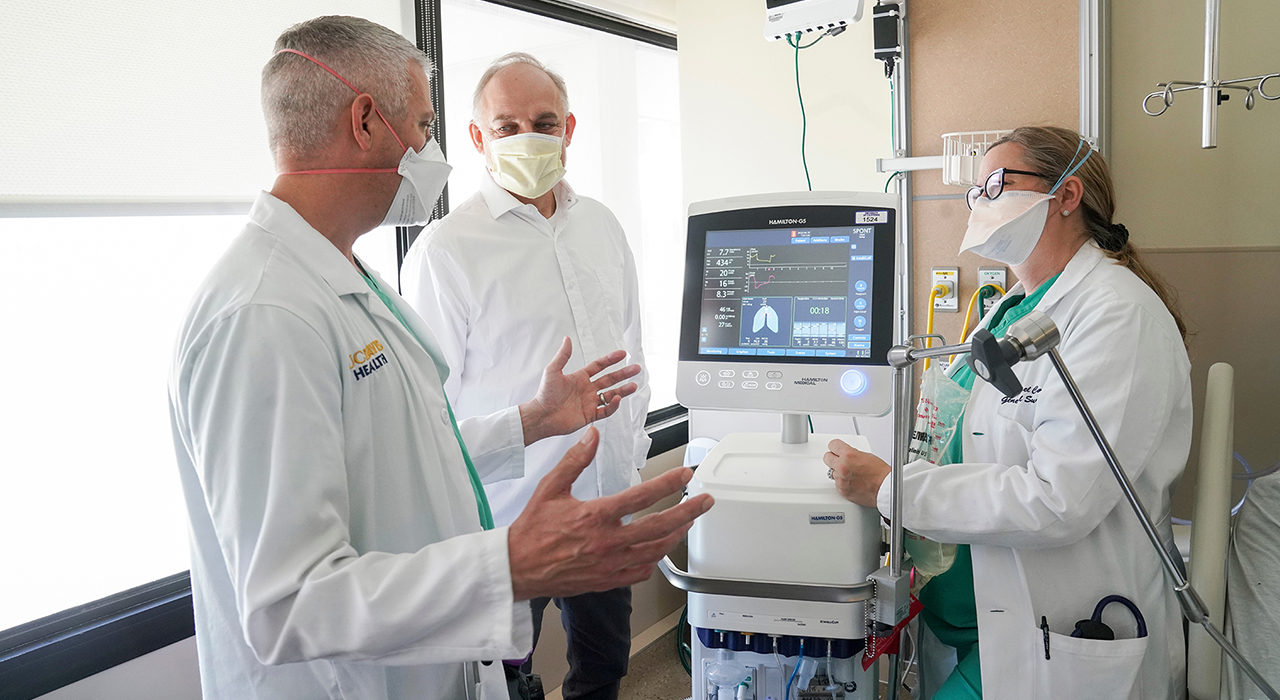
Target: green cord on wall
(804,124)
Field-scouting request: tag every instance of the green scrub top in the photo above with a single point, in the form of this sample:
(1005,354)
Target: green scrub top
(950,610)
(482,501)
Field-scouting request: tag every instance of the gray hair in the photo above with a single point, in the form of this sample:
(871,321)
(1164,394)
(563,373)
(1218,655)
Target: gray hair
(509,60)
(301,100)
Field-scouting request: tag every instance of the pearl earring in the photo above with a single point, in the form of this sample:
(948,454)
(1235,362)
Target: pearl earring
(1066,212)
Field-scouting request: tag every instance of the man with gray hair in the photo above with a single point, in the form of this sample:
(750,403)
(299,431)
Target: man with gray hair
(523,263)
(342,545)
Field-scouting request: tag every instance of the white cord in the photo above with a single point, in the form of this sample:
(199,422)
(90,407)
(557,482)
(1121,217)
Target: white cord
(782,671)
(831,670)
(912,660)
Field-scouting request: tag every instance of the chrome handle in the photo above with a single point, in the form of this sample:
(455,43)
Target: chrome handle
(686,581)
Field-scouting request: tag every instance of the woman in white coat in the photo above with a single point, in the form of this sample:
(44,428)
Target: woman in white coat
(1045,531)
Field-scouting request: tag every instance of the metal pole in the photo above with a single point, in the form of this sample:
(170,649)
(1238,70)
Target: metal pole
(903,410)
(902,420)
(795,428)
(1193,606)
(1094,73)
(1209,131)
(902,393)
(902,149)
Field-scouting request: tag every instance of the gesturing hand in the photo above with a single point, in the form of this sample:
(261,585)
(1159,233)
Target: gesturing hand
(566,402)
(560,546)
(858,474)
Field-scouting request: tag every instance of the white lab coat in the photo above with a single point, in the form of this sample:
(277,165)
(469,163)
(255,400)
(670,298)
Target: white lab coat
(1051,533)
(336,547)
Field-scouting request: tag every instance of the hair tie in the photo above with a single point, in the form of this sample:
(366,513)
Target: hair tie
(1120,236)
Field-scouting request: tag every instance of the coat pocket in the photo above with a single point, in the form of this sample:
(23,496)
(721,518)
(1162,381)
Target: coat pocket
(1090,668)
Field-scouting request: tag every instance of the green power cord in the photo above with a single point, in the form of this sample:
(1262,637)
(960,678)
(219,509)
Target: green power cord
(804,124)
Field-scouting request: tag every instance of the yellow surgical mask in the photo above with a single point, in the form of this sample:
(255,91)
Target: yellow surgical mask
(525,164)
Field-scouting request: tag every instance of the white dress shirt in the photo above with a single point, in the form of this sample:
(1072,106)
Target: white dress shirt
(501,285)
(336,545)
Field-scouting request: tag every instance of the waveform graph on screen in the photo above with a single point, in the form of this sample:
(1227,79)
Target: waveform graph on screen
(783,270)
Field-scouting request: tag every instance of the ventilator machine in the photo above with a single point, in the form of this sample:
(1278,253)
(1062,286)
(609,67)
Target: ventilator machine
(788,307)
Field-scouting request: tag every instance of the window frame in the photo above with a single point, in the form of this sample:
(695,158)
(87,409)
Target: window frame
(49,653)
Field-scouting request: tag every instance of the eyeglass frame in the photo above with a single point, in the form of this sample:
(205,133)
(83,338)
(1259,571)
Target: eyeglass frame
(1071,169)
(970,198)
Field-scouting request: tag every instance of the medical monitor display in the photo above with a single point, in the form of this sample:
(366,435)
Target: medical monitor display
(792,288)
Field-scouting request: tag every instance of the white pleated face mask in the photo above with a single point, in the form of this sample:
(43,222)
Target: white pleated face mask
(1006,229)
(423,176)
(525,164)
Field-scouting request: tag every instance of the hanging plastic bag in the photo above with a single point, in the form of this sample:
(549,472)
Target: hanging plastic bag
(941,407)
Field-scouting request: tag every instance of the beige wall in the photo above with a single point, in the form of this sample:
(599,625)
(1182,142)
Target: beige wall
(1173,194)
(1207,217)
(740,122)
(1003,65)
(1224,302)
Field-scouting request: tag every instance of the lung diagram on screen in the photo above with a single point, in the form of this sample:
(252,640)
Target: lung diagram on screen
(766,322)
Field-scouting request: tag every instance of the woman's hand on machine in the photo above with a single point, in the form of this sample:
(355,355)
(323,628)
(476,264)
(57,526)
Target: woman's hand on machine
(857,474)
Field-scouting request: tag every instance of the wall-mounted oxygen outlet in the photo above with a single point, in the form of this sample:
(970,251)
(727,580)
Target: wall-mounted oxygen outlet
(948,277)
(996,276)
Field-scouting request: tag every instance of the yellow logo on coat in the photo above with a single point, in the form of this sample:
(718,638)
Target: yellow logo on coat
(363,355)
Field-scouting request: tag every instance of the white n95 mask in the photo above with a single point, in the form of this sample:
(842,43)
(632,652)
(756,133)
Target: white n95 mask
(1006,229)
(423,176)
(525,164)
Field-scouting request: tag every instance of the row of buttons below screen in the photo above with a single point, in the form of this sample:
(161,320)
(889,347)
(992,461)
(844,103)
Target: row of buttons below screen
(853,382)
(703,378)
(746,374)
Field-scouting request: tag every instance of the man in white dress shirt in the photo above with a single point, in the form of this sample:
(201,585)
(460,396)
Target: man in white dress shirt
(502,281)
(341,542)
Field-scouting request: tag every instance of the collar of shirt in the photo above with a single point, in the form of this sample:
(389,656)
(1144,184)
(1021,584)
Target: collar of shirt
(321,255)
(500,201)
(317,252)
(1081,264)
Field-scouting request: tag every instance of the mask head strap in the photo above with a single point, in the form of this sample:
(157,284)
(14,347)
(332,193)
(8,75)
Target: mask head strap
(1071,169)
(343,171)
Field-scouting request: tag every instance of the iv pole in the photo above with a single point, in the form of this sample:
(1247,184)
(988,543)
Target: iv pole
(1035,335)
(1211,87)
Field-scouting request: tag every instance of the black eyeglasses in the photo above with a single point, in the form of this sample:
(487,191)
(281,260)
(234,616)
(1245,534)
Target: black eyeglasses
(994,185)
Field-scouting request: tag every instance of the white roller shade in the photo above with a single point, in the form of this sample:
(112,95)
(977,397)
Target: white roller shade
(143,105)
(659,14)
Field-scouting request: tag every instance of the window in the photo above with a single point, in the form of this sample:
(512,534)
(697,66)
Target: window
(93,310)
(625,151)
(164,119)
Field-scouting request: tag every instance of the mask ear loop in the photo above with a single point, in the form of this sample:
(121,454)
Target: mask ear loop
(1072,169)
(344,171)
